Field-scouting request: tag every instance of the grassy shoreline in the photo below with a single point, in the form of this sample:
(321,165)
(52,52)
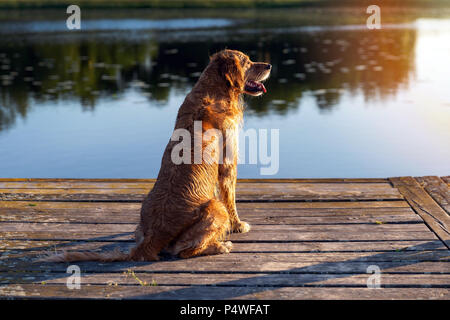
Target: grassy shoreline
(178,4)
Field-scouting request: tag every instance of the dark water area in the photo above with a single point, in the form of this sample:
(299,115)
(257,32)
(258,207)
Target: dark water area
(347,101)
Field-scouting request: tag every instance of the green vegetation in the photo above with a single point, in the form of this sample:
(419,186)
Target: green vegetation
(131,273)
(211,3)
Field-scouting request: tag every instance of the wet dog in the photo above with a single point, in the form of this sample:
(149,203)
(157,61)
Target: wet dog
(192,205)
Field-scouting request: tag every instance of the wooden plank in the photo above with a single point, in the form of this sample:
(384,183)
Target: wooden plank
(281,247)
(119,206)
(111,228)
(148,184)
(252,218)
(433,215)
(438,190)
(124,180)
(244,192)
(260,236)
(281,206)
(273,233)
(233,263)
(265,213)
(233,279)
(82,184)
(324,191)
(446,179)
(281,258)
(210,292)
(52,180)
(388,262)
(73,195)
(102,208)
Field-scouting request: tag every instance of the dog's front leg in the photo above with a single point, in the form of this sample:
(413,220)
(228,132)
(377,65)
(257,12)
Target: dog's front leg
(227,185)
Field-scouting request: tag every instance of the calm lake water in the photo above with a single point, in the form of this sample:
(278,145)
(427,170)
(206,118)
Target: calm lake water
(348,101)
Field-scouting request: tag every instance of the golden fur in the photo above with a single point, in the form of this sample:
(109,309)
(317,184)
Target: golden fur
(183,214)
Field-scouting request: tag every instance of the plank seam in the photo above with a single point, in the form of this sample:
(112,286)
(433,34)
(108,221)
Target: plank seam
(431,216)
(253,224)
(17,250)
(285,285)
(237,241)
(414,205)
(434,197)
(281,272)
(237,201)
(243,180)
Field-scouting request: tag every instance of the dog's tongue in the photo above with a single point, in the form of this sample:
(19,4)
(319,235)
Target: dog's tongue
(258,85)
(262,87)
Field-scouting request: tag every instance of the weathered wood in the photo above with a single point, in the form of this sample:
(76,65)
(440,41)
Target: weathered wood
(259,233)
(250,191)
(446,179)
(253,263)
(210,292)
(308,218)
(230,279)
(118,210)
(51,180)
(295,249)
(119,207)
(124,180)
(82,184)
(112,228)
(438,190)
(262,236)
(244,184)
(263,213)
(292,257)
(314,246)
(433,215)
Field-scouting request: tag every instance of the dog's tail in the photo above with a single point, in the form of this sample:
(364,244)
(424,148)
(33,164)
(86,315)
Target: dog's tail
(109,256)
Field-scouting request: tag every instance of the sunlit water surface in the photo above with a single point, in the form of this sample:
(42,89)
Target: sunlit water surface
(348,102)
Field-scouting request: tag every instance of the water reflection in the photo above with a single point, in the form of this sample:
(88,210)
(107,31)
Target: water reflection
(325,64)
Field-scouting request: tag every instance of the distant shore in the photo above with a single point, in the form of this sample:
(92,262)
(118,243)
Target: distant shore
(178,4)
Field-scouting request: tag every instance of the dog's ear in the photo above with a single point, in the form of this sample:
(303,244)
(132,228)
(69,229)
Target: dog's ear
(229,67)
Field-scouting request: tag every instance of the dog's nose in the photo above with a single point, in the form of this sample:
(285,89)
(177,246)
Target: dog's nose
(269,66)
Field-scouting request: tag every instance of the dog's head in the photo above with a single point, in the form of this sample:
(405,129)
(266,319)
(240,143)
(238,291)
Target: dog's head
(240,73)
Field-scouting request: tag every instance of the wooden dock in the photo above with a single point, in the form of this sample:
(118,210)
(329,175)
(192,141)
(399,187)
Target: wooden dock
(310,239)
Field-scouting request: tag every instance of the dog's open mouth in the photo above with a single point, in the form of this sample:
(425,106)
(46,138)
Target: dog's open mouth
(255,87)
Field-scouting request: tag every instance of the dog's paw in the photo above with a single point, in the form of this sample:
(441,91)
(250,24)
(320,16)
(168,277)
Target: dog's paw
(241,227)
(228,245)
(224,247)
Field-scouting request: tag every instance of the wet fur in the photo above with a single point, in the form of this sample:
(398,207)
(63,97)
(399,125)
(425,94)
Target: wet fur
(182,214)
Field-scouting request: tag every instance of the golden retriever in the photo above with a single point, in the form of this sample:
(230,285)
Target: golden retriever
(184,214)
